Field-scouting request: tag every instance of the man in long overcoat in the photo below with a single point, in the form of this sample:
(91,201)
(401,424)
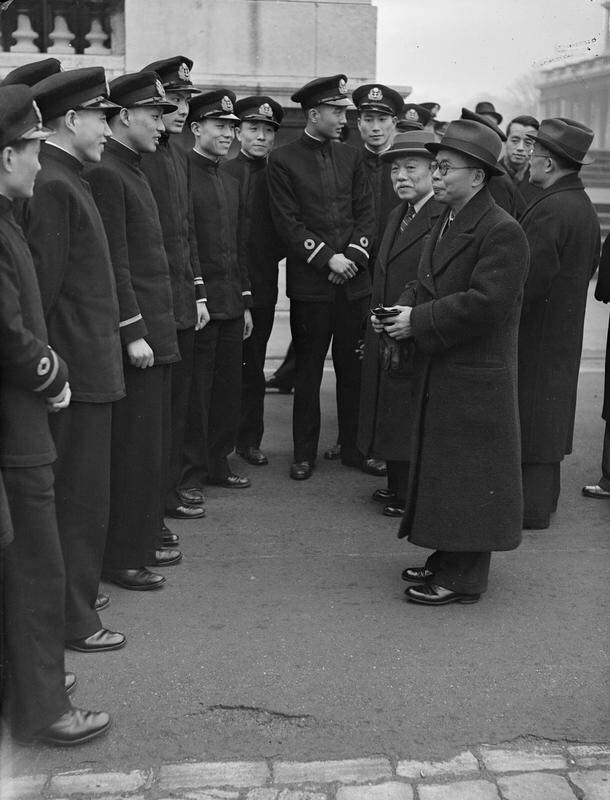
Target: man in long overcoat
(385,418)
(563,234)
(464,497)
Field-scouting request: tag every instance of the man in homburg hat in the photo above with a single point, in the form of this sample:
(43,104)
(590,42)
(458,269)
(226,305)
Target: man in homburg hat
(141,420)
(385,403)
(167,173)
(562,229)
(323,209)
(464,497)
(34,383)
(68,242)
(260,117)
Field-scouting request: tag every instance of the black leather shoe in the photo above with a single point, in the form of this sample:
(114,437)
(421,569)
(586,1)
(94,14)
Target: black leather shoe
(169,539)
(595,491)
(383,496)
(416,574)
(98,642)
(252,455)
(375,466)
(232,481)
(166,558)
(191,496)
(69,682)
(393,511)
(139,580)
(301,470)
(429,594)
(73,727)
(333,453)
(273,383)
(185,512)
(102,601)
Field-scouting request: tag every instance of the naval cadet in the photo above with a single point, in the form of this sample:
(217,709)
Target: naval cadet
(70,250)
(322,207)
(260,117)
(32,73)
(34,383)
(141,420)
(167,173)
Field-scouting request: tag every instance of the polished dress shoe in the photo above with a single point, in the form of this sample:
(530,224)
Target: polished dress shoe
(384,496)
(102,601)
(393,511)
(375,466)
(191,496)
(301,470)
(252,455)
(69,682)
(98,642)
(595,491)
(168,538)
(73,727)
(185,512)
(273,383)
(417,574)
(166,558)
(231,481)
(333,453)
(139,580)
(429,594)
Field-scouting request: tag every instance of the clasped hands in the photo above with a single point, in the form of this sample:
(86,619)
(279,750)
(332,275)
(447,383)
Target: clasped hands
(398,327)
(341,269)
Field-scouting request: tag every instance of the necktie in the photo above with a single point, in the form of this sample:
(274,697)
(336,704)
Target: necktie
(446,225)
(407,217)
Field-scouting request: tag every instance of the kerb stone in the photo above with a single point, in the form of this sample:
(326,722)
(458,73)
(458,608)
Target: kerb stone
(590,755)
(498,760)
(357,770)
(535,786)
(595,783)
(464,790)
(382,791)
(24,786)
(213,773)
(462,764)
(95,783)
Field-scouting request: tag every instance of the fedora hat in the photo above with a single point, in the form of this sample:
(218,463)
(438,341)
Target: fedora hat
(472,115)
(410,143)
(471,139)
(566,138)
(485,107)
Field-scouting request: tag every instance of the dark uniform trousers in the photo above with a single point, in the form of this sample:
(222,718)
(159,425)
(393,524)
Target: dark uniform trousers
(313,325)
(140,437)
(214,410)
(462,571)
(251,426)
(541,488)
(82,498)
(182,377)
(398,478)
(34,586)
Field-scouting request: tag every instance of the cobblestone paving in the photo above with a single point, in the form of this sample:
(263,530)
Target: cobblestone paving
(540,771)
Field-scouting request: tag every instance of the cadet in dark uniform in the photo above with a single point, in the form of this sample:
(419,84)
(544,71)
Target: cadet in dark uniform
(30,74)
(140,422)
(215,402)
(415,118)
(167,173)
(33,382)
(70,250)
(322,207)
(260,118)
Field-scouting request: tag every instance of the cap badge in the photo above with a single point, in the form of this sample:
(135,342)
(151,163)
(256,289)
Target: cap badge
(37,112)
(266,110)
(375,94)
(159,88)
(342,86)
(226,104)
(412,114)
(364,241)
(309,244)
(184,72)
(44,365)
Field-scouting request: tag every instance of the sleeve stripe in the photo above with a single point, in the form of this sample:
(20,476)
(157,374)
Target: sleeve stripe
(130,321)
(245,293)
(198,281)
(357,247)
(53,373)
(202,300)
(315,252)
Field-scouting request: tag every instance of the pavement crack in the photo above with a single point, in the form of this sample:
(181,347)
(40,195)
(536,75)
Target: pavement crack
(256,710)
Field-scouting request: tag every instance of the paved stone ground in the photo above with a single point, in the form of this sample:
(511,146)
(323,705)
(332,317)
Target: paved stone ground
(521,771)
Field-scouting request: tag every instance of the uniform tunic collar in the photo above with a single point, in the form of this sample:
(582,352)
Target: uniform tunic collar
(123,152)
(54,151)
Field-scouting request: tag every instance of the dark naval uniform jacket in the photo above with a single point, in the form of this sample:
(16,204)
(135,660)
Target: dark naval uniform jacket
(217,215)
(264,247)
(131,219)
(30,370)
(562,229)
(464,490)
(385,401)
(322,204)
(384,197)
(70,250)
(167,173)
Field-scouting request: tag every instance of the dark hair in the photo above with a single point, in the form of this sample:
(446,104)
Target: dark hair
(530,122)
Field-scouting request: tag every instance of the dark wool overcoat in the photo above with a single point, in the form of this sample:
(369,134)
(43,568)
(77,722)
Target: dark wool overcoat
(602,292)
(563,234)
(385,401)
(464,489)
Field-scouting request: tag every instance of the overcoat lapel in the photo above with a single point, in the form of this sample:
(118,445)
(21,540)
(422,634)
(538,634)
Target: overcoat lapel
(461,232)
(418,227)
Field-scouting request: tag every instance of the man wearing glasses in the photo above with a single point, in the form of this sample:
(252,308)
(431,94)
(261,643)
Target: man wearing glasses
(562,229)
(464,495)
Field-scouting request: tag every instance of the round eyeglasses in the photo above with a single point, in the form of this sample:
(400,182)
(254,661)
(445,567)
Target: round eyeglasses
(444,166)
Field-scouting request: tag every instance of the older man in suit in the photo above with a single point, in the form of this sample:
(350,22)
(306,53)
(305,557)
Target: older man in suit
(464,497)
(385,421)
